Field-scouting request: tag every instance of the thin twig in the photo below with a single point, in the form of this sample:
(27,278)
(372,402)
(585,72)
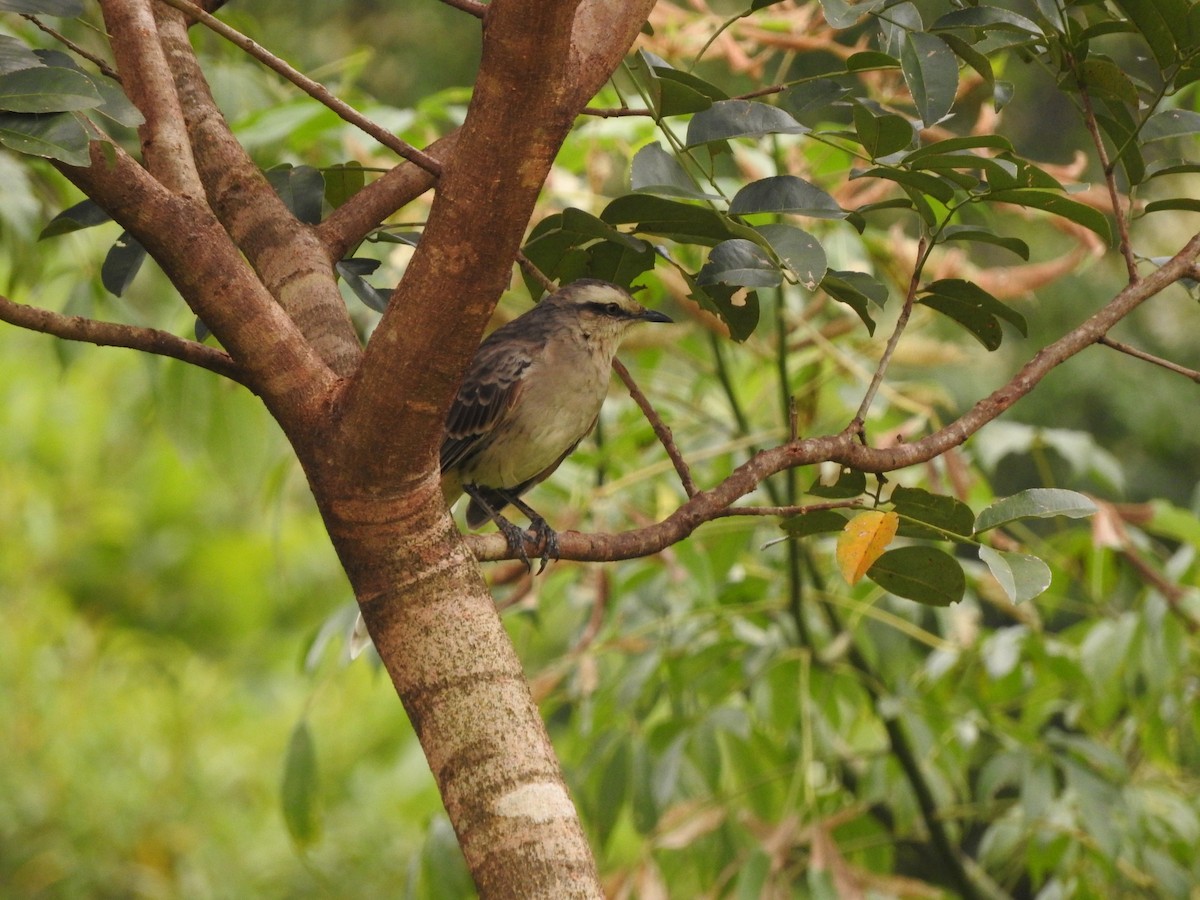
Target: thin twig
(105,68)
(314,89)
(860,417)
(1150,358)
(1089,118)
(468,6)
(785,511)
(660,429)
(114,334)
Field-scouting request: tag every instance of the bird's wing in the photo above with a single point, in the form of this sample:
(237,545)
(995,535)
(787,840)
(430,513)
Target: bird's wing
(491,388)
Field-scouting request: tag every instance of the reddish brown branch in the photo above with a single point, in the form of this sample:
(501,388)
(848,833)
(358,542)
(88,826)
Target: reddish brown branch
(314,89)
(114,334)
(468,6)
(844,448)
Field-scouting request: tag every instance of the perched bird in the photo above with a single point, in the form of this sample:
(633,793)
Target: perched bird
(532,393)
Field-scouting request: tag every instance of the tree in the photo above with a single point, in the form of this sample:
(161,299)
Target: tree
(861,108)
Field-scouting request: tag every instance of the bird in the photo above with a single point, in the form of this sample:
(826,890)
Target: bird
(532,392)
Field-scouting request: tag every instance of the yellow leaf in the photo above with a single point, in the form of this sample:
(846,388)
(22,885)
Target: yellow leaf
(863,541)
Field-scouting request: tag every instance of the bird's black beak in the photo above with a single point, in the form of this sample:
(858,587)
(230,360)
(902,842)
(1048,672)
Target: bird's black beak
(653,315)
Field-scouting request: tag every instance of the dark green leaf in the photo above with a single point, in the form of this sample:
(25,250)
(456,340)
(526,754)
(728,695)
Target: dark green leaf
(943,514)
(656,171)
(84,214)
(984,236)
(352,272)
(931,73)
(958,145)
(1171,123)
(812,96)
(68,9)
(882,135)
(739,118)
(868,60)
(115,105)
(614,791)
(739,262)
(736,306)
(1104,78)
(121,263)
(987,18)
(973,308)
(1177,203)
(687,223)
(819,521)
(785,194)
(46,90)
(1022,577)
(682,92)
(1035,503)
(798,251)
(972,57)
(1159,21)
(299,791)
(924,574)
(14,55)
(921,182)
(849,484)
(54,135)
(844,13)
(1055,204)
(619,263)
(302,190)
(858,291)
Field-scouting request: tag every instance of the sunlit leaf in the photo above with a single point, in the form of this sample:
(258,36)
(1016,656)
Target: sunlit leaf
(863,541)
(1035,503)
(1021,576)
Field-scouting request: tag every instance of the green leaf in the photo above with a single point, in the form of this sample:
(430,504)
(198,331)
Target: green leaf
(868,60)
(1177,203)
(45,90)
(985,19)
(298,793)
(798,251)
(14,55)
(618,262)
(54,135)
(656,171)
(931,73)
(84,214)
(850,484)
(924,574)
(1103,77)
(740,118)
(1055,204)
(353,272)
(921,182)
(739,262)
(973,308)
(857,290)
(614,791)
(121,264)
(819,521)
(68,9)
(115,105)
(1159,21)
(881,135)
(736,306)
(686,223)
(1171,123)
(985,236)
(844,13)
(682,92)
(812,96)
(1021,576)
(302,189)
(941,513)
(785,194)
(343,181)
(1035,503)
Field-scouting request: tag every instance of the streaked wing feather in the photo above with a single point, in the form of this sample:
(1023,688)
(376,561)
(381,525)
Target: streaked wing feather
(491,388)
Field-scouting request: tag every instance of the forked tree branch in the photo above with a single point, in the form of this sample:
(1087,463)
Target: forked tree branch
(845,447)
(115,334)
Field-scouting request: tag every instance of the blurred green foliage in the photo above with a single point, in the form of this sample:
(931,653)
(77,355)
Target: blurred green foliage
(732,718)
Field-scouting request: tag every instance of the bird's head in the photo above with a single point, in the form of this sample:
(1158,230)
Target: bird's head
(604,310)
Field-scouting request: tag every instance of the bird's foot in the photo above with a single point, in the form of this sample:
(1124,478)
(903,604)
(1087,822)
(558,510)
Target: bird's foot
(516,541)
(547,538)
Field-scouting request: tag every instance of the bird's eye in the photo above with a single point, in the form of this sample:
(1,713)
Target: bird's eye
(613,309)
